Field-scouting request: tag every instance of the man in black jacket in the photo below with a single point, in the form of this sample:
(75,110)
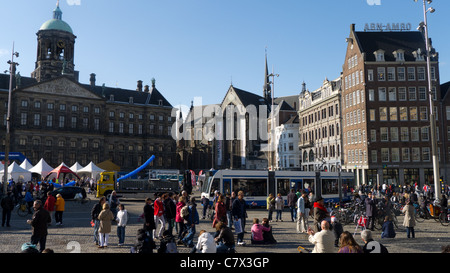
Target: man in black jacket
(169,211)
(39,223)
(7,206)
(149,220)
(239,213)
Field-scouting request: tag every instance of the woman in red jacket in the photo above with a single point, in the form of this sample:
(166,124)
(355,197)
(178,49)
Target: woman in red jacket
(159,216)
(220,212)
(179,219)
(50,204)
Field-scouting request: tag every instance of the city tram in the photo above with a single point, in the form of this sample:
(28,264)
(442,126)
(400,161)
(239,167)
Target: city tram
(258,184)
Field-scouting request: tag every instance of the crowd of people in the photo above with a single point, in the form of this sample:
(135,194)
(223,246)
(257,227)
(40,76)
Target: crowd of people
(171,220)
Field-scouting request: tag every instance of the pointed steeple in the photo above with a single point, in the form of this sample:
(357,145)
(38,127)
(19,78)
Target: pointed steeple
(267,92)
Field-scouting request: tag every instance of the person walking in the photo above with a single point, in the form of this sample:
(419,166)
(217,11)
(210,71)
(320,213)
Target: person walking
(279,206)
(179,219)
(239,213)
(170,212)
(220,211)
(270,206)
(59,209)
(409,220)
(113,202)
(192,220)
(122,220)
(292,202)
(39,223)
(96,209)
(158,206)
(7,206)
(106,217)
(49,204)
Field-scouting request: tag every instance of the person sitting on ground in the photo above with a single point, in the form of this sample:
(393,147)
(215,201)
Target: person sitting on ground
(168,243)
(348,244)
(257,232)
(268,235)
(387,230)
(224,238)
(324,240)
(371,246)
(205,243)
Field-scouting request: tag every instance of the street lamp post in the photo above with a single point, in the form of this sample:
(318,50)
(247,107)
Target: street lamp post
(436,176)
(12,69)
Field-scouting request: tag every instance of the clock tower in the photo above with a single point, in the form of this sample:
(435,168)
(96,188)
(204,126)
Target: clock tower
(55,49)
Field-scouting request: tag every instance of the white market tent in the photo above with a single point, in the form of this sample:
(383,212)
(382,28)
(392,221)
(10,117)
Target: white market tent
(17,173)
(92,169)
(26,164)
(41,168)
(76,167)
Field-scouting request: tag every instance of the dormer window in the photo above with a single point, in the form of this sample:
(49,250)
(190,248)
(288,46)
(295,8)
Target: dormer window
(130,100)
(399,55)
(379,55)
(418,55)
(111,97)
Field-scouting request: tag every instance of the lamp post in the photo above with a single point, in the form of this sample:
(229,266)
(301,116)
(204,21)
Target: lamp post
(12,71)
(434,154)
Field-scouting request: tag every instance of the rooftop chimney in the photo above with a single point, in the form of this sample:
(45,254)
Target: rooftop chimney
(92,79)
(139,86)
(146,88)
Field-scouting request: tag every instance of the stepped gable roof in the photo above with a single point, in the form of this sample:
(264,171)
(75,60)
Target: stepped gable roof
(409,41)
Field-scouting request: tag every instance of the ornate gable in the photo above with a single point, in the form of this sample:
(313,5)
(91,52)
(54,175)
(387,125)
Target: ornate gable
(62,87)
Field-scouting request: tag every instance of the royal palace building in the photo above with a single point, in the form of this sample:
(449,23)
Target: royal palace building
(55,117)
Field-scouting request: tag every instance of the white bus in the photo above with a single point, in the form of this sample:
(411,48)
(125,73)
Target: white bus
(257,184)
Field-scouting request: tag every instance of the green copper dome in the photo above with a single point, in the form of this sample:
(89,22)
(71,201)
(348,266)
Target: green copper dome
(56,23)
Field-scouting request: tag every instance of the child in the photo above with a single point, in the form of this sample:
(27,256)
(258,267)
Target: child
(387,230)
(257,232)
(121,219)
(267,235)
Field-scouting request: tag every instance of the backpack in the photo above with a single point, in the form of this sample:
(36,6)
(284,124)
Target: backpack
(184,212)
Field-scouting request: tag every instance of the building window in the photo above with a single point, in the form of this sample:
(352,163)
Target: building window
(401,74)
(370,75)
(382,93)
(49,120)
(423,113)
(412,93)
(404,113)
(372,114)
(413,113)
(391,73)
(421,73)
(422,93)
(384,154)
(393,114)
(23,119)
(371,95)
(37,119)
(383,113)
(394,133)
(62,120)
(404,134)
(424,134)
(392,94)
(411,73)
(405,155)
(373,156)
(414,133)
(426,154)
(381,72)
(111,127)
(395,154)
(402,93)
(384,134)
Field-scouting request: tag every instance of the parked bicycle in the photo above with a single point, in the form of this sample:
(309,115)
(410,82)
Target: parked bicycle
(444,217)
(23,209)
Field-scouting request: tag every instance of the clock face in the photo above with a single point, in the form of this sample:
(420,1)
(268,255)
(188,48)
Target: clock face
(61,44)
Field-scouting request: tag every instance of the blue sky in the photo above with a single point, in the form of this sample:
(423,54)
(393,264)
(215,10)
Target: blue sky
(197,48)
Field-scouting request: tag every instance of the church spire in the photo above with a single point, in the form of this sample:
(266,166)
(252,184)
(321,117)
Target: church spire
(267,92)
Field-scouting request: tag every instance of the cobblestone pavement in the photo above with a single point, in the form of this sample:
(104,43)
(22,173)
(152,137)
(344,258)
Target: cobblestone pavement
(76,234)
